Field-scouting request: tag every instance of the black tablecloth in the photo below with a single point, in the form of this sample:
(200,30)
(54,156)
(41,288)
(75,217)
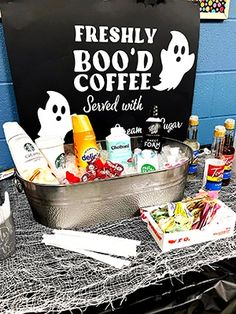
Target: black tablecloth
(212,290)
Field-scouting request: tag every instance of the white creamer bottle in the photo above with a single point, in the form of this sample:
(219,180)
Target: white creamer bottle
(29,161)
(118,145)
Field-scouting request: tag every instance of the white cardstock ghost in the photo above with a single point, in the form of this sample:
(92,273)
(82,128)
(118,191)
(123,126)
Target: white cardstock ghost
(55,119)
(176,61)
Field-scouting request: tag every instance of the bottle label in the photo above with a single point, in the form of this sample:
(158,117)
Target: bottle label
(214,177)
(213,186)
(85,148)
(154,144)
(147,168)
(153,136)
(29,152)
(193,166)
(119,151)
(227,175)
(89,154)
(228,159)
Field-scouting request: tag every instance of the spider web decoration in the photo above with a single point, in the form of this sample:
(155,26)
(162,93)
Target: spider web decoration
(39,279)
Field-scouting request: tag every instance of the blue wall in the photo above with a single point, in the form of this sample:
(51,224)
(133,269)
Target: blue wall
(215,88)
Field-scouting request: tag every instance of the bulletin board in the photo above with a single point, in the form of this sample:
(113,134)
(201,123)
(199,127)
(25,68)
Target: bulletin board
(214,9)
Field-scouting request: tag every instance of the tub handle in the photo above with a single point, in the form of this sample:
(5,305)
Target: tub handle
(18,185)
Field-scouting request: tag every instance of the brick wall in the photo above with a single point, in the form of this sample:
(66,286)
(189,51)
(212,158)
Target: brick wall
(215,88)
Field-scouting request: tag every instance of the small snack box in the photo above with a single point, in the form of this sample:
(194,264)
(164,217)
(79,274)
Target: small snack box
(192,221)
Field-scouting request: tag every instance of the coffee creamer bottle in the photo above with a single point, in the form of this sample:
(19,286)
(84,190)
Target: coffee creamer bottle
(118,145)
(85,146)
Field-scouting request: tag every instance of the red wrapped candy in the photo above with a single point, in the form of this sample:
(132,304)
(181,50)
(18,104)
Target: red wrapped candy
(85,178)
(118,169)
(101,174)
(92,175)
(71,178)
(115,168)
(96,163)
(90,167)
(96,169)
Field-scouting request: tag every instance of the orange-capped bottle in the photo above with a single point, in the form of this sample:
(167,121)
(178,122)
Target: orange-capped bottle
(85,146)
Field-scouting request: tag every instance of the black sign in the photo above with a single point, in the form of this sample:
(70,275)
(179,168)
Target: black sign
(112,60)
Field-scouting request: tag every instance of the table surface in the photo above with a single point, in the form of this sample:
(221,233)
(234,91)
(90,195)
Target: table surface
(42,279)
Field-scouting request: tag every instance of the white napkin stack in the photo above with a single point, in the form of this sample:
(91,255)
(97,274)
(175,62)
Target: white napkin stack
(97,246)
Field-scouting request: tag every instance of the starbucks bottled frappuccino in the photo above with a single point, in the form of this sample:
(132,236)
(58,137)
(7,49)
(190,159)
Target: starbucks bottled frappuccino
(29,161)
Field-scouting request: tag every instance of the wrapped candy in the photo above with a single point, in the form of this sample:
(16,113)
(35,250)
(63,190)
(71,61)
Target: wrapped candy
(97,169)
(191,213)
(114,168)
(71,178)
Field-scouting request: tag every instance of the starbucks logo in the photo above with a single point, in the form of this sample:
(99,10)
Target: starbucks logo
(29,147)
(60,162)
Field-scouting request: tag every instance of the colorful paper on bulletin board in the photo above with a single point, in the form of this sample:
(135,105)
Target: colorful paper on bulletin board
(112,60)
(214,9)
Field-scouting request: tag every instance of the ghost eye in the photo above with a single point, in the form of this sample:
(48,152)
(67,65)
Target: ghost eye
(63,109)
(182,50)
(54,108)
(176,49)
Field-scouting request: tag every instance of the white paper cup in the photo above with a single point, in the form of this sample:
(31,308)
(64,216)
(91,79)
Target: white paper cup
(52,147)
(213,174)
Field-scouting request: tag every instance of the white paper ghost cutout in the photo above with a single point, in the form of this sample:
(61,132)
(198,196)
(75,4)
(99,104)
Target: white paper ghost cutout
(176,61)
(55,119)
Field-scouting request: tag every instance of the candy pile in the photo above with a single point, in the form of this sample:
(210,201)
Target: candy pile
(97,169)
(191,213)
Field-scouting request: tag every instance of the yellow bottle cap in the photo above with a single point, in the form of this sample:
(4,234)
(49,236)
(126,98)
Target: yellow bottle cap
(219,131)
(193,121)
(81,123)
(229,124)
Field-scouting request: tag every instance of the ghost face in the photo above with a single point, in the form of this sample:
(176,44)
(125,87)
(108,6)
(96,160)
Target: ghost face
(176,61)
(55,119)
(178,49)
(57,110)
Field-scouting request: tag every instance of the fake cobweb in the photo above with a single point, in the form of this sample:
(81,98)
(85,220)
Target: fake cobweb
(39,279)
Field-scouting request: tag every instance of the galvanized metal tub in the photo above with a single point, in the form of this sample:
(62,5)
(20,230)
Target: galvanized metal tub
(84,204)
